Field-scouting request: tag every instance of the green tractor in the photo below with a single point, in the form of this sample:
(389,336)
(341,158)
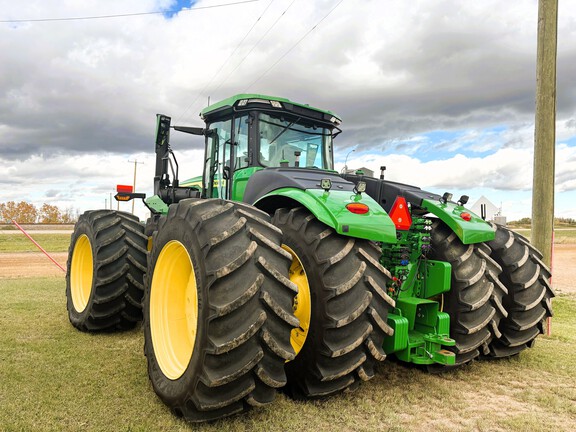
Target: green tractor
(272,271)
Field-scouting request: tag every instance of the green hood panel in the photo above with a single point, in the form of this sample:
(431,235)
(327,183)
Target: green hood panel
(476,230)
(330,208)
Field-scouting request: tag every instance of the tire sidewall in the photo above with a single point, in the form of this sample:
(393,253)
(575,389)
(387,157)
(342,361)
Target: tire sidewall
(175,390)
(314,339)
(83,227)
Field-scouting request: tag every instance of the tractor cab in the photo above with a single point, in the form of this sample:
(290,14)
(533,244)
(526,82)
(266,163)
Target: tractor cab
(247,133)
(244,134)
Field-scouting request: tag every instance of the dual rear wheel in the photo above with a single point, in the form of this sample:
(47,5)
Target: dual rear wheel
(106,267)
(500,296)
(342,306)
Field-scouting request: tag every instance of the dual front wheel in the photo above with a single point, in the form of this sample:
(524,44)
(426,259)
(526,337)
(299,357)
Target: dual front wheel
(223,325)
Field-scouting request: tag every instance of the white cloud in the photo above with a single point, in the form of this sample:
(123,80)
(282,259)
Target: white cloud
(78,98)
(85,182)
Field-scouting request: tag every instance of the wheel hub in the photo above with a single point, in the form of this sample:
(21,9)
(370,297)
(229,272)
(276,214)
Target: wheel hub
(81,273)
(173,309)
(302,303)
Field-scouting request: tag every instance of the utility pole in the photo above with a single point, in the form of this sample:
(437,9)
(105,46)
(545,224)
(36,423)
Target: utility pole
(545,130)
(134,185)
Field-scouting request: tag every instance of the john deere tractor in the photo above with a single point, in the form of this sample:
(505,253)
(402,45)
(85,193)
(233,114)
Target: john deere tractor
(272,271)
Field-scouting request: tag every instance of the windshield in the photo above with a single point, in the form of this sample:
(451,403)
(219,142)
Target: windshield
(281,138)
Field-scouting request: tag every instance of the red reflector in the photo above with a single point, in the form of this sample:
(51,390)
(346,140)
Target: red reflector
(466,216)
(400,214)
(124,189)
(357,208)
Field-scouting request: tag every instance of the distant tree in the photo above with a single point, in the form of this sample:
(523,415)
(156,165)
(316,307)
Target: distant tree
(49,214)
(69,216)
(565,221)
(21,212)
(558,221)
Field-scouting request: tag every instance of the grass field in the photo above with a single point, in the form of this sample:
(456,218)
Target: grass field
(561,235)
(18,242)
(53,377)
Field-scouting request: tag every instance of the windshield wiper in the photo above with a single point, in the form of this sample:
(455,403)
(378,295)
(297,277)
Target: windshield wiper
(284,130)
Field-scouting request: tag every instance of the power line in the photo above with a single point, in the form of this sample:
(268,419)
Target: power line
(255,45)
(125,15)
(201,93)
(293,46)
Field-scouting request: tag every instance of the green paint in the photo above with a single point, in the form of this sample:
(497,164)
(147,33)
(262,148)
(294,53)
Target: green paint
(474,231)
(438,278)
(330,208)
(420,329)
(155,203)
(233,100)
(399,341)
(240,180)
(192,182)
(420,332)
(405,260)
(421,313)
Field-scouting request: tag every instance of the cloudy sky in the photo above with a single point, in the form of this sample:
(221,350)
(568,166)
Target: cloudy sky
(440,92)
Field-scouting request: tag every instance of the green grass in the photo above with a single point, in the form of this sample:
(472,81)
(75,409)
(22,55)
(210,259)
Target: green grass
(54,378)
(18,242)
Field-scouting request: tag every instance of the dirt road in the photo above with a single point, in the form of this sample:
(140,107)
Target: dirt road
(564,269)
(34,264)
(31,264)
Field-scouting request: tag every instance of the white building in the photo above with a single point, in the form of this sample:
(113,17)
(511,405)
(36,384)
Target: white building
(493,213)
(367,172)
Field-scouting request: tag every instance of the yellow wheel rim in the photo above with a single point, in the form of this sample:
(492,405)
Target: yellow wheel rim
(81,273)
(302,302)
(173,309)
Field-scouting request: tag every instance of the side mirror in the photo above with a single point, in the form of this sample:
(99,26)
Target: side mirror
(190,130)
(162,130)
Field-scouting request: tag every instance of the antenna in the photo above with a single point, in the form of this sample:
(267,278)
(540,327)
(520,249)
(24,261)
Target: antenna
(135,165)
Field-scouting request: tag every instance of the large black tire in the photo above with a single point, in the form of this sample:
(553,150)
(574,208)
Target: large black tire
(529,297)
(219,267)
(349,306)
(474,301)
(106,266)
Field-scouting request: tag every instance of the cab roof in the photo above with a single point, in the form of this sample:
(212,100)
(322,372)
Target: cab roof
(246,99)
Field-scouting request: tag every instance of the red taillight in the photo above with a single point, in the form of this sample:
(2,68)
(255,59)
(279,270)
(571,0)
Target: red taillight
(466,216)
(124,189)
(357,208)
(400,214)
